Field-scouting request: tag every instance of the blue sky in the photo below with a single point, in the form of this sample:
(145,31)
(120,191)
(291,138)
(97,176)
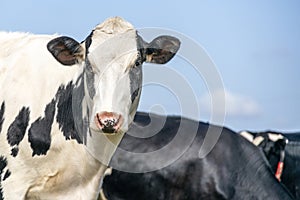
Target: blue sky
(255,46)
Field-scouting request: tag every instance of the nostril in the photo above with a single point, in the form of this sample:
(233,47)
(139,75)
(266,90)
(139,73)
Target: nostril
(108,130)
(109,123)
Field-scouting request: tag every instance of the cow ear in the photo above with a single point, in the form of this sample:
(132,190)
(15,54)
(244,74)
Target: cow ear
(66,50)
(162,49)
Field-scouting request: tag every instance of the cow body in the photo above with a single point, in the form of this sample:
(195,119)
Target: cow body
(291,170)
(234,169)
(271,144)
(64,107)
(35,83)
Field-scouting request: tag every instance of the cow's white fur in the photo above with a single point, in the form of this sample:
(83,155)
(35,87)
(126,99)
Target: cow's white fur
(259,139)
(31,77)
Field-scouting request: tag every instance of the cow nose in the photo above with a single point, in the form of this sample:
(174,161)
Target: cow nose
(109,122)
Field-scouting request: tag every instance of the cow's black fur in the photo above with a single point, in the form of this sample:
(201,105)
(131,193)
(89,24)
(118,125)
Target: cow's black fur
(65,117)
(6,175)
(291,172)
(39,131)
(2,109)
(3,164)
(17,128)
(234,169)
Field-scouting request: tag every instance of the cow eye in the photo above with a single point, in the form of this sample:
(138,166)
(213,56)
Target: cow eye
(137,63)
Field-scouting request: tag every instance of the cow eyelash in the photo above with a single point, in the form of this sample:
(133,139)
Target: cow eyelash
(137,63)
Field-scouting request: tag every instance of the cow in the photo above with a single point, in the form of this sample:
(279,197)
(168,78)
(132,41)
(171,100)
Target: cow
(65,105)
(282,150)
(234,169)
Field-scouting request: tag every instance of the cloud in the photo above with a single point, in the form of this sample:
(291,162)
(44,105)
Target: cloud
(235,105)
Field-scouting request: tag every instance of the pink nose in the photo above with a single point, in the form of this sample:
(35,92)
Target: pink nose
(109,122)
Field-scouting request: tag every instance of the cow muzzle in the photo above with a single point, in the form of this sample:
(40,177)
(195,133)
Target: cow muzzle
(109,122)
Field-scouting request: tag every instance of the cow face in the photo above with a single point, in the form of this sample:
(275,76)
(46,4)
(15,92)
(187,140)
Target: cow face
(111,57)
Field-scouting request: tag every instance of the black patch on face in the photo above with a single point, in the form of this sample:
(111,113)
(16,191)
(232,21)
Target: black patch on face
(90,79)
(3,164)
(16,130)
(88,70)
(134,95)
(88,42)
(135,76)
(64,116)
(141,47)
(39,133)
(2,109)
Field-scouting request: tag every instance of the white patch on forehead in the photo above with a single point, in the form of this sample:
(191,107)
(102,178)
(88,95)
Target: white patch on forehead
(110,28)
(121,48)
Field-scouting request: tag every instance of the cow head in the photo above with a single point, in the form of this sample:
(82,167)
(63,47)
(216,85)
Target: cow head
(111,58)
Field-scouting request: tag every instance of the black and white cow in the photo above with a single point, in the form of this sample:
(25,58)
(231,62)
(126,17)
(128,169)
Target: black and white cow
(234,169)
(64,107)
(283,153)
